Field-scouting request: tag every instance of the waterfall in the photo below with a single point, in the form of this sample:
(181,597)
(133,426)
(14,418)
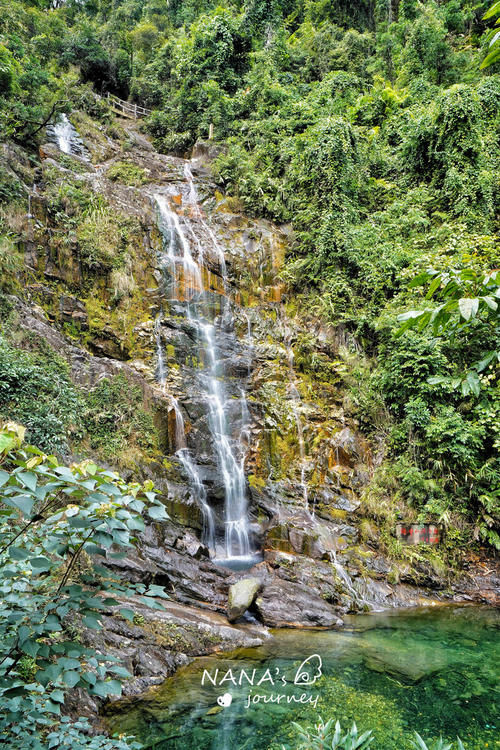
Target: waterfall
(161,368)
(182,451)
(346,579)
(165,226)
(249,341)
(186,286)
(66,137)
(194,202)
(63,131)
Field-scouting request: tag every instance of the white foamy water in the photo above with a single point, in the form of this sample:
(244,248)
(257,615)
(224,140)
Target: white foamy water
(183,255)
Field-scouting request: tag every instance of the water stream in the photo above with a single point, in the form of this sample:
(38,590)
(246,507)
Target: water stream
(66,137)
(433,670)
(348,584)
(188,242)
(161,367)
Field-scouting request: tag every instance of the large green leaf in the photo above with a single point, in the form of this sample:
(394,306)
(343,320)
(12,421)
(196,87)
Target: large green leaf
(468,307)
(18,553)
(25,503)
(494,10)
(92,622)
(71,679)
(158,512)
(28,478)
(41,564)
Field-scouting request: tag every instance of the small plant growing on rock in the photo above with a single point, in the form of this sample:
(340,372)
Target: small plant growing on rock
(128,173)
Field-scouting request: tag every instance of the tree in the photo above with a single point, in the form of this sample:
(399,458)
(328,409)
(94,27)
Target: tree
(469,302)
(50,517)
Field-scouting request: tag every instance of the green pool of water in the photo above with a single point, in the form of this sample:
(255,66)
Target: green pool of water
(432,670)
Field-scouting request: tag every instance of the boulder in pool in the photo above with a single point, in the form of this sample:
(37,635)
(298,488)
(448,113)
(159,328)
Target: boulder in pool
(241,595)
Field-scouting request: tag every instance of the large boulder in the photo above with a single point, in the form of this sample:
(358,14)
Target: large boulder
(288,604)
(241,595)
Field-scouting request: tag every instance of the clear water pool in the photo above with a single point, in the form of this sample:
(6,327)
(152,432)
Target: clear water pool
(434,670)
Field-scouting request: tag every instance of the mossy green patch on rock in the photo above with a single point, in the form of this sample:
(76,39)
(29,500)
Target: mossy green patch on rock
(128,173)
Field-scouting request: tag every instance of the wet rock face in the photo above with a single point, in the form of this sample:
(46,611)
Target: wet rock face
(170,557)
(288,604)
(304,536)
(350,447)
(157,642)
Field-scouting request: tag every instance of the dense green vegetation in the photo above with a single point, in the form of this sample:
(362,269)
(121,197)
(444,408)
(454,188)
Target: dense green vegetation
(108,420)
(375,132)
(376,135)
(373,129)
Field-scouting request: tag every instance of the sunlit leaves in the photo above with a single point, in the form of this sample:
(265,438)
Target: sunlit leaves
(468,296)
(494,37)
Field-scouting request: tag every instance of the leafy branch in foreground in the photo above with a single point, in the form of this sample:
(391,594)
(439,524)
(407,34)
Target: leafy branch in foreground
(493,36)
(469,306)
(51,516)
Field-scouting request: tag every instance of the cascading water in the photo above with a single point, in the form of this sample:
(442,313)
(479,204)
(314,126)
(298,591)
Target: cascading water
(348,583)
(66,137)
(186,287)
(182,451)
(249,341)
(161,368)
(63,131)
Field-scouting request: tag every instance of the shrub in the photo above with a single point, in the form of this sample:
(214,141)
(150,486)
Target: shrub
(51,516)
(36,390)
(116,422)
(128,173)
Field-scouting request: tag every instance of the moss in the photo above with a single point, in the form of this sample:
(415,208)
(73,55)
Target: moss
(127,173)
(97,314)
(256,482)
(184,638)
(117,426)
(335,514)
(27,668)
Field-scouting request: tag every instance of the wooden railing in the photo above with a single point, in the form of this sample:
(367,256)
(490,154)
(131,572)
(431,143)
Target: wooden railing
(126,109)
